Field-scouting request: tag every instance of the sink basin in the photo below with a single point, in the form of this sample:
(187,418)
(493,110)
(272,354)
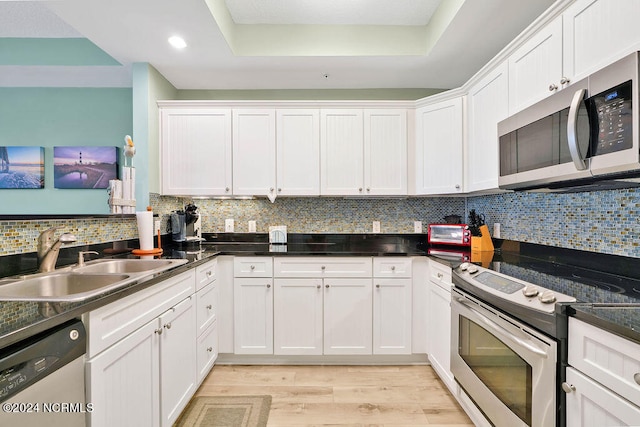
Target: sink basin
(61,286)
(80,283)
(124,266)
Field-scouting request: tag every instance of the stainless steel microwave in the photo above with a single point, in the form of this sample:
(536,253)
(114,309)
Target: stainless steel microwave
(583,137)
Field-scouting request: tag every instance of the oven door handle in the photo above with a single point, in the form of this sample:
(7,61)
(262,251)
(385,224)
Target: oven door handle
(494,326)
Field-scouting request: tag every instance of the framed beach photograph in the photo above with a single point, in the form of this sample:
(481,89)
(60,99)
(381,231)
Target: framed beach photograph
(21,167)
(84,167)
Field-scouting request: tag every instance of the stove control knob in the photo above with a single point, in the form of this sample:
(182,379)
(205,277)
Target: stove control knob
(472,269)
(547,297)
(464,266)
(530,291)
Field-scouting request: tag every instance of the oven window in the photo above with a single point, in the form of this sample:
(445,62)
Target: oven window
(505,373)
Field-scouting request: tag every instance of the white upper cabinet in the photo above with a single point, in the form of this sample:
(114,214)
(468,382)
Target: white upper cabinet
(385,152)
(254,152)
(341,152)
(363,152)
(597,33)
(488,103)
(439,148)
(195,151)
(535,68)
(298,152)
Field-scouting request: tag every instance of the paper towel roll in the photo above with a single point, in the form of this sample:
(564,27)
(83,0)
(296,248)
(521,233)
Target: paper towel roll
(145,229)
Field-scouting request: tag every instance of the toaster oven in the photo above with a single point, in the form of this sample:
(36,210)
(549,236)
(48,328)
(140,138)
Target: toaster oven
(449,234)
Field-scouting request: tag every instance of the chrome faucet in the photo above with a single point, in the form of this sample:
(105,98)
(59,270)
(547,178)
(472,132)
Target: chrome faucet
(48,249)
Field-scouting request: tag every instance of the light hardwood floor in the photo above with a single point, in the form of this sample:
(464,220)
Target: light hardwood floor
(343,395)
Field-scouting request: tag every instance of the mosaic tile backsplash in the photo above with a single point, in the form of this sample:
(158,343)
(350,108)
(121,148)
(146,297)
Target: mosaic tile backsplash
(599,221)
(603,221)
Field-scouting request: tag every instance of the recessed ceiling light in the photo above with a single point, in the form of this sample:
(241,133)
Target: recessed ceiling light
(177,42)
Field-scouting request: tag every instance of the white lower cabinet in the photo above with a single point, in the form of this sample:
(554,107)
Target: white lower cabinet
(148,377)
(253,315)
(123,382)
(439,324)
(392,316)
(348,319)
(144,352)
(592,405)
(177,360)
(603,381)
(297,317)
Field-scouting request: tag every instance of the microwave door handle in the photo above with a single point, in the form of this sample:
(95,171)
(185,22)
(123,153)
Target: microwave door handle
(499,329)
(572,131)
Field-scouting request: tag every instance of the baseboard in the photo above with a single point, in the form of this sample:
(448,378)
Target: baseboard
(270,359)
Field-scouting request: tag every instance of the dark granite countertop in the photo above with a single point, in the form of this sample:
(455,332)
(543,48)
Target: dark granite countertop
(20,320)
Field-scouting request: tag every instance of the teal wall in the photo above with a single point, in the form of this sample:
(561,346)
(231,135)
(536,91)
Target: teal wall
(49,117)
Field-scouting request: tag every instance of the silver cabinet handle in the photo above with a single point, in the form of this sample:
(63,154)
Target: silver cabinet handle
(271,190)
(568,388)
(323,267)
(168,325)
(393,268)
(253,267)
(279,190)
(209,349)
(564,80)
(209,273)
(158,331)
(209,307)
(360,189)
(268,285)
(368,189)
(226,189)
(440,275)
(457,186)
(326,286)
(318,286)
(553,87)
(378,285)
(636,377)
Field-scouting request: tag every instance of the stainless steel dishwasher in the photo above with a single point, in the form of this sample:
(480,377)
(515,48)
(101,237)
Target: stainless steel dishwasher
(42,379)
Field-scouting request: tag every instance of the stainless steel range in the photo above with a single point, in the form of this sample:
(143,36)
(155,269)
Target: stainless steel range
(509,346)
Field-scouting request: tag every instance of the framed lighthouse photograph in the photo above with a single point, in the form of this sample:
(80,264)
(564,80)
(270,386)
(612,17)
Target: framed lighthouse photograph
(84,167)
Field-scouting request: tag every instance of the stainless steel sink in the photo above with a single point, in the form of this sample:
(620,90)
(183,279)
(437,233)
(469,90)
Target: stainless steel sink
(80,283)
(61,286)
(148,266)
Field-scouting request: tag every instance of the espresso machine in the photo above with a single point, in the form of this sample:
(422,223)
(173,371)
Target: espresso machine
(186,225)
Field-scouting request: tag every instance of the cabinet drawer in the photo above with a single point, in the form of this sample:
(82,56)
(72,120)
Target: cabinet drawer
(440,274)
(609,359)
(207,351)
(206,273)
(322,267)
(206,306)
(252,267)
(112,322)
(392,267)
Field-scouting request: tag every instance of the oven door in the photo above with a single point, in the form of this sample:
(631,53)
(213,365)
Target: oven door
(507,368)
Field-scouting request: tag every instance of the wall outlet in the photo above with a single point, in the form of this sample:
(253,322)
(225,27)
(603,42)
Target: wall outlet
(417,226)
(228,225)
(252,226)
(156,226)
(376,226)
(496,230)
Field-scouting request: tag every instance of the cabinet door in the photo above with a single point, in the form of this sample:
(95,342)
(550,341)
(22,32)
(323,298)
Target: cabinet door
(341,152)
(385,152)
(535,69)
(439,148)
(598,32)
(297,316)
(253,315)
(592,405)
(488,103)
(195,151)
(298,152)
(207,351)
(440,332)
(123,382)
(177,360)
(348,317)
(254,152)
(392,316)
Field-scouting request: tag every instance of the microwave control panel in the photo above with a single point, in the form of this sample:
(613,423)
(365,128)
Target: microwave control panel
(613,114)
